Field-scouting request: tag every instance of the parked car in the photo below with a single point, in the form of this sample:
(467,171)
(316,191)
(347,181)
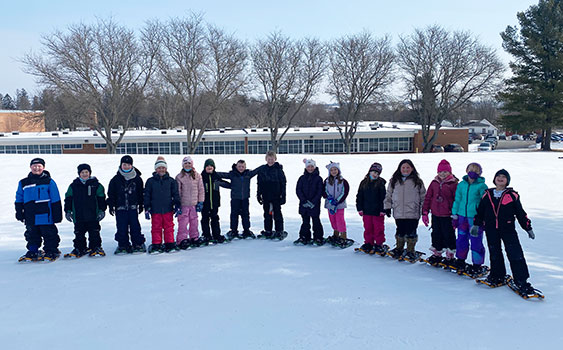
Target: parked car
(502,137)
(485,146)
(437,148)
(493,141)
(516,137)
(453,147)
(476,136)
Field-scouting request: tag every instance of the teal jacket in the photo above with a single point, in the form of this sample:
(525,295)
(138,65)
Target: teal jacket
(468,196)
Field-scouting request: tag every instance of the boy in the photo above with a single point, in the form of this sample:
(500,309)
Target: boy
(240,193)
(125,201)
(271,195)
(209,212)
(38,205)
(161,201)
(85,205)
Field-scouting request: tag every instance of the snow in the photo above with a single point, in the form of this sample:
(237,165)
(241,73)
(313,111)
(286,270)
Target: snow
(272,295)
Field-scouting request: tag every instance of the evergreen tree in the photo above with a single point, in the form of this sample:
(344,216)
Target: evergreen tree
(534,94)
(8,102)
(22,100)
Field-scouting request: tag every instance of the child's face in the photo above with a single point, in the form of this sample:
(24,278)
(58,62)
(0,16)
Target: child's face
(126,166)
(501,181)
(37,169)
(443,174)
(310,169)
(241,167)
(161,171)
(406,169)
(84,174)
(209,169)
(334,171)
(374,174)
(270,160)
(188,166)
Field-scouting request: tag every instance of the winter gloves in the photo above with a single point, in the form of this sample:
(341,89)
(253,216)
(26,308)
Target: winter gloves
(425,219)
(259,198)
(308,204)
(101,215)
(474,231)
(199,207)
(361,213)
(148,214)
(531,234)
(455,221)
(178,212)
(388,212)
(111,211)
(68,216)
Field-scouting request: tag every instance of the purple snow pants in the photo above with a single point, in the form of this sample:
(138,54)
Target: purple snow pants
(463,239)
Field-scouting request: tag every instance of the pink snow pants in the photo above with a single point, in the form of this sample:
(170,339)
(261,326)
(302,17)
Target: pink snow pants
(162,223)
(188,217)
(374,229)
(337,220)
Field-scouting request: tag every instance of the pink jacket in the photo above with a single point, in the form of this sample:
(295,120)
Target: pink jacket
(440,196)
(191,190)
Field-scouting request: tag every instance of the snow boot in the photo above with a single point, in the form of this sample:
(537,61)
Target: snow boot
(411,243)
(318,242)
(31,257)
(75,254)
(302,241)
(51,256)
(184,244)
(155,249)
(98,251)
(171,247)
(248,234)
(122,250)
(367,248)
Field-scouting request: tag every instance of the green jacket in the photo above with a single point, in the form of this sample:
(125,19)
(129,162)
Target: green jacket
(468,196)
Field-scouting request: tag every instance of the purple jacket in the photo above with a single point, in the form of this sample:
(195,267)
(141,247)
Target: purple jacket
(440,196)
(310,188)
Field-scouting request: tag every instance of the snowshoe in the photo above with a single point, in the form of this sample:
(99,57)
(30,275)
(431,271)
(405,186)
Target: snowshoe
(265,235)
(184,244)
(448,264)
(51,256)
(524,289)
(97,252)
(344,243)
(75,254)
(331,240)
(395,253)
(475,271)
(123,250)
(365,248)
(302,241)
(171,248)
(139,249)
(460,265)
(233,235)
(381,250)
(280,235)
(493,282)
(203,241)
(218,240)
(412,257)
(31,257)
(433,260)
(194,242)
(155,249)
(247,235)
(319,242)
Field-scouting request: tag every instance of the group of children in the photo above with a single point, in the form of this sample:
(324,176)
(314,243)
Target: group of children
(467,206)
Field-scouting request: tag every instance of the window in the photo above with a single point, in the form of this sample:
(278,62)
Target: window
(164,148)
(72,146)
(131,148)
(100,146)
(174,147)
(142,148)
(153,147)
(258,147)
(21,149)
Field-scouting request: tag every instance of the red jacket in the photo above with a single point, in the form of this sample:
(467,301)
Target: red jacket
(440,196)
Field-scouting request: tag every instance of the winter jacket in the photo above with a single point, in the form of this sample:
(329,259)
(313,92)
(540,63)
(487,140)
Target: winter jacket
(240,182)
(405,199)
(310,188)
(370,198)
(338,191)
(85,200)
(440,196)
(468,196)
(161,194)
(271,183)
(498,214)
(191,190)
(38,201)
(211,184)
(126,194)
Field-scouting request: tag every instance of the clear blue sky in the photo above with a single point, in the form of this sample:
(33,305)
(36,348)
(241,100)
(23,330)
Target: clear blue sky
(23,22)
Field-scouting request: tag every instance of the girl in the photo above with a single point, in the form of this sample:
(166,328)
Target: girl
(192,195)
(405,195)
(336,190)
(309,191)
(497,211)
(439,201)
(369,203)
(467,197)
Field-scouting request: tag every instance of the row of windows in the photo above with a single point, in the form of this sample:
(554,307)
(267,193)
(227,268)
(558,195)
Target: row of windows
(390,144)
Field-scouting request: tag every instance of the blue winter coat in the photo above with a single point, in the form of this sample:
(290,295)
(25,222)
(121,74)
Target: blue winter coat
(310,188)
(161,194)
(240,182)
(468,196)
(38,201)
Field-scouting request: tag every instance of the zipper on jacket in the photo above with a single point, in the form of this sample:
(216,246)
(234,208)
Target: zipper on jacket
(467,198)
(210,193)
(495,210)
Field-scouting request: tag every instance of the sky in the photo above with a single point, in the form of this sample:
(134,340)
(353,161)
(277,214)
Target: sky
(22,23)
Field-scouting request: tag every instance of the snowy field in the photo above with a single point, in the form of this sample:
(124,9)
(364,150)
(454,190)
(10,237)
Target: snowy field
(272,295)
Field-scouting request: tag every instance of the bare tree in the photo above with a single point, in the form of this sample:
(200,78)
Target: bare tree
(361,68)
(443,71)
(104,67)
(288,73)
(204,65)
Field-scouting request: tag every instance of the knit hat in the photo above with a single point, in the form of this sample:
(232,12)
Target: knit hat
(160,161)
(376,167)
(127,160)
(502,172)
(84,167)
(309,162)
(475,165)
(209,162)
(444,166)
(186,160)
(37,161)
(333,165)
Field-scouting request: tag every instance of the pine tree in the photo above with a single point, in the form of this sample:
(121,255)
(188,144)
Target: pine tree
(534,94)
(22,100)
(8,102)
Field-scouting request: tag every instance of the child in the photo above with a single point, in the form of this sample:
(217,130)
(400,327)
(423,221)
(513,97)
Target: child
(240,193)
(309,191)
(212,202)
(439,200)
(38,206)
(496,212)
(271,195)
(405,195)
(467,197)
(125,201)
(161,201)
(369,203)
(336,190)
(85,205)
(192,195)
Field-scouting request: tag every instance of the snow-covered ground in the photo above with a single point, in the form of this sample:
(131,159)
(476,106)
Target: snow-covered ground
(272,295)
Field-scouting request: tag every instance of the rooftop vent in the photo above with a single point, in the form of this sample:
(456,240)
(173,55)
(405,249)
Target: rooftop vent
(54,134)
(395,126)
(295,129)
(163,132)
(178,130)
(222,131)
(15,132)
(1,134)
(253,130)
(94,134)
(325,128)
(114,131)
(265,129)
(66,132)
